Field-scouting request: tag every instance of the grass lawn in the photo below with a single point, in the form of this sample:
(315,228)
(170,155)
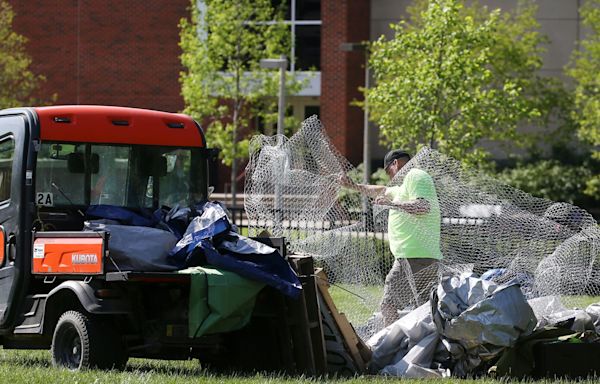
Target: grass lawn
(579,301)
(33,367)
(347,300)
(356,309)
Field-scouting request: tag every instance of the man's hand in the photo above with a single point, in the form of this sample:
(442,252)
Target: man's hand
(346,181)
(383,200)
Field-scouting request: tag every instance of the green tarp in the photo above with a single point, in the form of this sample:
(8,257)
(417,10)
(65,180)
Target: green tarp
(220,301)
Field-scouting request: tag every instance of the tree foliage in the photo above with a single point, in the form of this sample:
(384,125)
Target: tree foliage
(585,70)
(454,75)
(17,81)
(223,84)
(550,179)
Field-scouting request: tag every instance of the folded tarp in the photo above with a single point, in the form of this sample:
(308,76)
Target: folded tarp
(136,248)
(220,301)
(120,214)
(257,261)
(175,220)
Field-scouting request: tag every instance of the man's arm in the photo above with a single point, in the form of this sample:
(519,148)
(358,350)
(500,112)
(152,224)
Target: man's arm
(418,206)
(369,190)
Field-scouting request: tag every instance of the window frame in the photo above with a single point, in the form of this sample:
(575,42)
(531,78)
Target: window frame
(294,22)
(3,139)
(198,153)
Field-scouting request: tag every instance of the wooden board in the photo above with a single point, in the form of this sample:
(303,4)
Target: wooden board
(361,354)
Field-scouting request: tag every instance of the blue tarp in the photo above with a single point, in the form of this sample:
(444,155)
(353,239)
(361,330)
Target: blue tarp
(122,215)
(211,238)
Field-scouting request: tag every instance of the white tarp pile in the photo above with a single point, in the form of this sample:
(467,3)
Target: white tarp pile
(473,321)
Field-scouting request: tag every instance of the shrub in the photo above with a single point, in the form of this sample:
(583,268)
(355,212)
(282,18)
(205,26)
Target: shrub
(551,179)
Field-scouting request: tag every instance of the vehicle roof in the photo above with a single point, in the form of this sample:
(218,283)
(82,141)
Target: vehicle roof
(118,125)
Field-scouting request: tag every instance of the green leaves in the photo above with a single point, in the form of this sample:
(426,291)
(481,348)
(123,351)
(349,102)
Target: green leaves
(549,179)
(454,75)
(585,70)
(223,84)
(17,81)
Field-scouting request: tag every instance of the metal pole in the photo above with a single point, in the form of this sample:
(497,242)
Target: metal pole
(281,108)
(280,124)
(366,137)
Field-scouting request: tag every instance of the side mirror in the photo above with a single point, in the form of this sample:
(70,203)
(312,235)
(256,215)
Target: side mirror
(56,148)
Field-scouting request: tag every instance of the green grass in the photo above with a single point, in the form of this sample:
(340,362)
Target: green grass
(34,367)
(356,309)
(579,301)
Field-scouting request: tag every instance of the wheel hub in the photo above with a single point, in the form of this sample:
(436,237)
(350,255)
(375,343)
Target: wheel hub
(71,346)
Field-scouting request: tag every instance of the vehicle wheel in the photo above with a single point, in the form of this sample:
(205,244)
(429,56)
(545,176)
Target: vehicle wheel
(82,342)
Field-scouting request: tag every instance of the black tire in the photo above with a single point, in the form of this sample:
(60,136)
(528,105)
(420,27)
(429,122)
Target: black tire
(83,342)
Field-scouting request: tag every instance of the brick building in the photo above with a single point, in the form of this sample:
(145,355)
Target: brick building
(126,53)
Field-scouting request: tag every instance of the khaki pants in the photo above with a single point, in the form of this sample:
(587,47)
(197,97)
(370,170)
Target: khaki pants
(407,285)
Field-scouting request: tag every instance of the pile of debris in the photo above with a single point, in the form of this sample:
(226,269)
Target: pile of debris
(473,327)
(528,251)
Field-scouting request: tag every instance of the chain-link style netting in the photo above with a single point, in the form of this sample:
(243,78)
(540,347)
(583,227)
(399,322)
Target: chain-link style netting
(294,189)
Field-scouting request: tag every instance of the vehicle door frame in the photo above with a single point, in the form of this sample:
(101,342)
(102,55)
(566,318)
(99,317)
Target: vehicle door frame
(17,264)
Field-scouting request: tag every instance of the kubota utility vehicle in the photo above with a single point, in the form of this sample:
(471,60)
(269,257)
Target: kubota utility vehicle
(55,290)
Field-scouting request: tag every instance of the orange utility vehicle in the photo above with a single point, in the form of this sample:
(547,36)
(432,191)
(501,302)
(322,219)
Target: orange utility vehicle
(55,291)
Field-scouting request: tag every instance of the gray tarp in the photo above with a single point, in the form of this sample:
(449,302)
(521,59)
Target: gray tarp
(473,321)
(481,317)
(594,311)
(406,347)
(551,312)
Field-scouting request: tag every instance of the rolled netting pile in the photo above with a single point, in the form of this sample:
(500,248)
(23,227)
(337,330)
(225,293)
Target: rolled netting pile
(294,190)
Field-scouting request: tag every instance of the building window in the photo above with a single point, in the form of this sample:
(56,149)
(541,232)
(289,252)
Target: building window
(310,110)
(7,151)
(304,18)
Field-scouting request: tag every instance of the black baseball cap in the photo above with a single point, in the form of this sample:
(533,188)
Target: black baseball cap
(393,155)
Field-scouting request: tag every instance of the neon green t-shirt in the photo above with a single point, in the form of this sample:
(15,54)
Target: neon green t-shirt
(415,235)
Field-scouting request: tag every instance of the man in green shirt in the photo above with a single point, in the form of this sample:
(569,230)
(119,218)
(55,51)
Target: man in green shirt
(413,232)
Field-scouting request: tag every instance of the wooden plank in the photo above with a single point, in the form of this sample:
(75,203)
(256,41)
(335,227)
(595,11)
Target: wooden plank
(299,320)
(360,353)
(305,268)
(315,326)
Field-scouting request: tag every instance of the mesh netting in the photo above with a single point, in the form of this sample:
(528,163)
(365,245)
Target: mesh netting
(294,189)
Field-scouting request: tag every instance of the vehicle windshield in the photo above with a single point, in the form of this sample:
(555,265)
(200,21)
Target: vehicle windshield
(130,176)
